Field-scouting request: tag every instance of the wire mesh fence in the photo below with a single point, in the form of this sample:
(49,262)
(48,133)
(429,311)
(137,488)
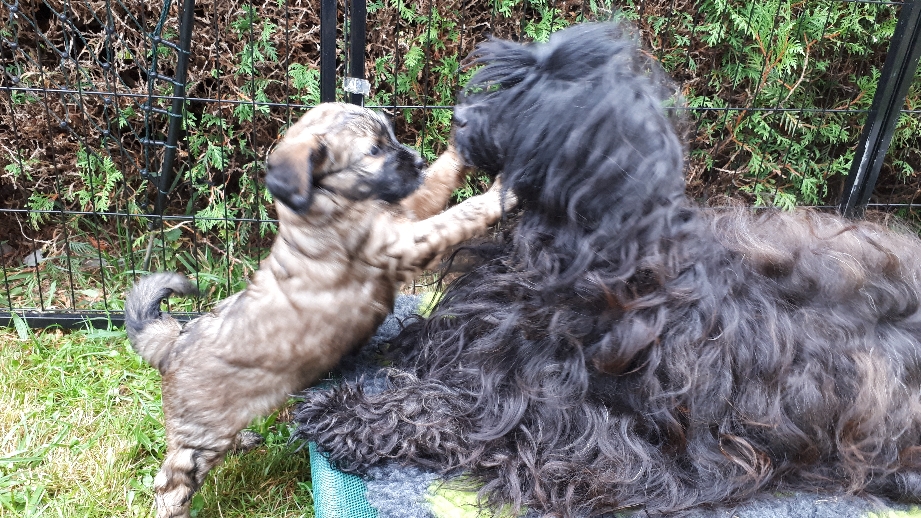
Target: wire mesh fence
(133,133)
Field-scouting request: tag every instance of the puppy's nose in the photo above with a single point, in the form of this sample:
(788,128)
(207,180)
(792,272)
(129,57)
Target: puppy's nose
(420,163)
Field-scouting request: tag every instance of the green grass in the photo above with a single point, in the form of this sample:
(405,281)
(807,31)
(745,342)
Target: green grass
(81,435)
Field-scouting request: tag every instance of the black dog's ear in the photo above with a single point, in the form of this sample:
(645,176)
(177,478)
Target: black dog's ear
(568,58)
(506,64)
(290,171)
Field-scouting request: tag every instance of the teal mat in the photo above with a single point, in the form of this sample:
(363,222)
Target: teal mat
(336,494)
(341,495)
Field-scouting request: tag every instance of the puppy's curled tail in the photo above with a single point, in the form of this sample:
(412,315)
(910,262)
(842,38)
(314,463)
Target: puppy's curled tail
(152,332)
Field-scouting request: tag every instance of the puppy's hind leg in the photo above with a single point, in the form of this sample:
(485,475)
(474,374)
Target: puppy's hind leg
(201,426)
(181,475)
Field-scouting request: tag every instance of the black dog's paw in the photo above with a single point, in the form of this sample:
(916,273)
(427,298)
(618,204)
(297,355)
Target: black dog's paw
(411,419)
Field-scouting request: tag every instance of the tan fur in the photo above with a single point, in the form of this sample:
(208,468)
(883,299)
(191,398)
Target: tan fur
(328,283)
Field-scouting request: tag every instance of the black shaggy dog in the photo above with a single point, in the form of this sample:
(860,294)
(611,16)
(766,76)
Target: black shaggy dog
(622,347)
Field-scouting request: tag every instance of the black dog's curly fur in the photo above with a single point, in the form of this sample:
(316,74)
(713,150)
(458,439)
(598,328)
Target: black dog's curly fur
(622,347)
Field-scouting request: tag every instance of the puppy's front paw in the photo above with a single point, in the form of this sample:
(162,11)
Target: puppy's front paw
(507,197)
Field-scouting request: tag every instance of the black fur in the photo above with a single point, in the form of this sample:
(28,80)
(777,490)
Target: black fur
(622,347)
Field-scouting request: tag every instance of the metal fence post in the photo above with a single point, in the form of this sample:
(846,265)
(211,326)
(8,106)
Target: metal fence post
(175,121)
(897,75)
(328,50)
(171,145)
(356,85)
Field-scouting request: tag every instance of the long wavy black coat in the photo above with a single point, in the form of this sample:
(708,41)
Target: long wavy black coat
(622,347)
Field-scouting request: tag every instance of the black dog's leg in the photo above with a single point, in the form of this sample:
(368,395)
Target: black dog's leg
(412,418)
(901,486)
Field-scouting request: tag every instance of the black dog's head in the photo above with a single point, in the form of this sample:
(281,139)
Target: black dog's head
(581,114)
(341,150)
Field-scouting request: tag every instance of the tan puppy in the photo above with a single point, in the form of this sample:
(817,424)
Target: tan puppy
(353,225)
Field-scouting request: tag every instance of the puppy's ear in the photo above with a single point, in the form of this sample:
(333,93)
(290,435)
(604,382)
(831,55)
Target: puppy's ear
(290,170)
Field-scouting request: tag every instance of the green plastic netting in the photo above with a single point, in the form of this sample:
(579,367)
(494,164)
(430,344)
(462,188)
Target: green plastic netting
(336,494)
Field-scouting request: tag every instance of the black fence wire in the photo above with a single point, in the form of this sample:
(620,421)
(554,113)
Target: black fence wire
(133,133)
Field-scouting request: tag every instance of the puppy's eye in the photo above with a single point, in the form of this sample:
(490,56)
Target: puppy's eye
(374,151)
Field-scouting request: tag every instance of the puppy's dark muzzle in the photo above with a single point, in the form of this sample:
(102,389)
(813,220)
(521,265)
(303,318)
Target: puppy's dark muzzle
(288,178)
